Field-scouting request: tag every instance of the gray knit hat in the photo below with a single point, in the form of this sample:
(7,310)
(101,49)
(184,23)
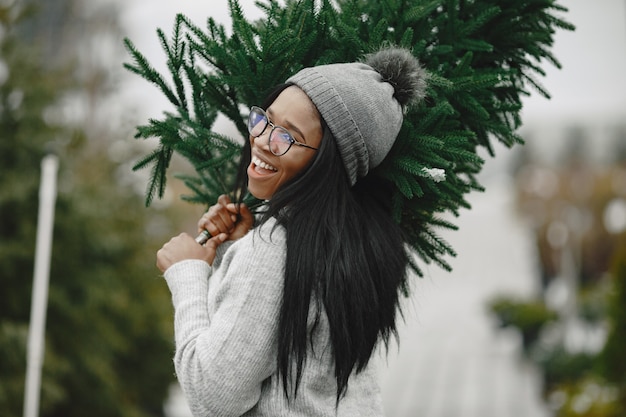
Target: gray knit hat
(362,103)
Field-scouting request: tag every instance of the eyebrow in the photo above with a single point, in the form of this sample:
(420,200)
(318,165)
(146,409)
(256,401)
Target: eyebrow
(289,125)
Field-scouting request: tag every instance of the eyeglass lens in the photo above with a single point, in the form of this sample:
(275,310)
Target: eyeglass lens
(256,122)
(280,140)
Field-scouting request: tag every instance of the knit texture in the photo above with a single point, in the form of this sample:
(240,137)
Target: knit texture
(226,330)
(359,109)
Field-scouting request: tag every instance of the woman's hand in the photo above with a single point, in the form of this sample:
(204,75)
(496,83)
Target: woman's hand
(184,247)
(226,217)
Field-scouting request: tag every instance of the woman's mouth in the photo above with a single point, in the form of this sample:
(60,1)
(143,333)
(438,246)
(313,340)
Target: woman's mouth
(262,167)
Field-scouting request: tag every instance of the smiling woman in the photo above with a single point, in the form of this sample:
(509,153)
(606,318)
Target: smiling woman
(302,298)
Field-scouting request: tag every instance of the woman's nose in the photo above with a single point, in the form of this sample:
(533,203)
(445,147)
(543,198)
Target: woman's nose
(262,141)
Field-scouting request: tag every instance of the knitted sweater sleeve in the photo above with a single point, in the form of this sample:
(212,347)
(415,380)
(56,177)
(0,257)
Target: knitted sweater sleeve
(226,337)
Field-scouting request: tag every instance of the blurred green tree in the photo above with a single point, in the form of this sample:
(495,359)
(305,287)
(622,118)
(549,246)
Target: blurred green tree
(108,335)
(613,357)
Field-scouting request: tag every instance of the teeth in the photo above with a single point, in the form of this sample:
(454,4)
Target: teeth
(262,164)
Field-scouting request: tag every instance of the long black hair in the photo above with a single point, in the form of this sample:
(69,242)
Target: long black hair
(344,253)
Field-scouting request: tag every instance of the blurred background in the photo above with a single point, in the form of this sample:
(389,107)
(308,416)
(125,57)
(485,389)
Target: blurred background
(531,322)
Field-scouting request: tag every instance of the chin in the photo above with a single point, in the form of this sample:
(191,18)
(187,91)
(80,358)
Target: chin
(261,194)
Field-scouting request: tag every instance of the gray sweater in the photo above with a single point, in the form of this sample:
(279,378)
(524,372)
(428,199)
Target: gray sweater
(226,338)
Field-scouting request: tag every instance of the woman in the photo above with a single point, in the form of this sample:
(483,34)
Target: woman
(282,319)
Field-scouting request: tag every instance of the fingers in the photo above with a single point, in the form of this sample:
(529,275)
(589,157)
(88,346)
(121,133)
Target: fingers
(223,200)
(245,220)
(212,244)
(183,247)
(226,217)
(246,214)
(179,248)
(218,219)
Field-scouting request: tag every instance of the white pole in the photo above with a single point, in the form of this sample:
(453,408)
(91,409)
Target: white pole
(39,301)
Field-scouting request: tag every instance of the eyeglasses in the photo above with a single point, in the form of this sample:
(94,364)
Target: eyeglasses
(279,140)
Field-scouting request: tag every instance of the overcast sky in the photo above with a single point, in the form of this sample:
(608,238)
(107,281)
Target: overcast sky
(592,82)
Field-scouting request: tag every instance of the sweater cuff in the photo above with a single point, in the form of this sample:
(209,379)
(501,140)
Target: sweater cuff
(188,277)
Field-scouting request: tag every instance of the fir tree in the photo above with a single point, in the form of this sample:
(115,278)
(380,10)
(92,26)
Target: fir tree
(482,56)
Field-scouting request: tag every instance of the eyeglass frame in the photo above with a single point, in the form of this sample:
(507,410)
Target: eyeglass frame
(292,140)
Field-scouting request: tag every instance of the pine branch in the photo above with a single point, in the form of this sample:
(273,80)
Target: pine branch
(145,70)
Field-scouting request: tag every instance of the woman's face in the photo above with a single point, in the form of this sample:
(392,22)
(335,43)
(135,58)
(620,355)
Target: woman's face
(294,111)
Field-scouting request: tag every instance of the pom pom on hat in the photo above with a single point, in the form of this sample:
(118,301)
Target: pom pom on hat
(399,68)
(362,103)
